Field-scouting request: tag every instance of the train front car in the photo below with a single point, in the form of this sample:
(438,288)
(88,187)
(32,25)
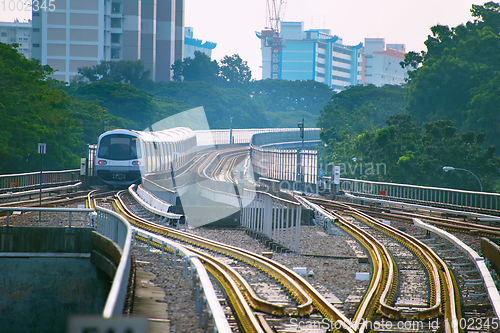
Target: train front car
(119,157)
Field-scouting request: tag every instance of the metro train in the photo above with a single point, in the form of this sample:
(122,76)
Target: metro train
(125,156)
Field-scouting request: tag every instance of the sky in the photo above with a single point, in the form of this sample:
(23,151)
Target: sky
(232,23)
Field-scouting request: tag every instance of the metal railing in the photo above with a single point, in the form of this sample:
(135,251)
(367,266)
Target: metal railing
(288,165)
(10,210)
(116,228)
(436,195)
(239,136)
(274,217)
(23,181)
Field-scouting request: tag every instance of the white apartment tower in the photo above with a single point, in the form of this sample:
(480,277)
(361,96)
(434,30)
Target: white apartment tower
(17,32)
(81,33)
(381,62)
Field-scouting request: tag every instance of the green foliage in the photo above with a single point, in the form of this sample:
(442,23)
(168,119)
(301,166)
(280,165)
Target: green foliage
(458,79)
(235,71)
(219,103)
(404,153)
(123,71)
(33,110)
(123,105)
(360,108)
(201,68)
(283,96)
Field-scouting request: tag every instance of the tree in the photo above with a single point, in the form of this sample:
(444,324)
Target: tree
(123,71)
(201,68)
(33,109)
(458,76)
(234,70)
(219,103)
(123,105)
(360,108)
(404,153)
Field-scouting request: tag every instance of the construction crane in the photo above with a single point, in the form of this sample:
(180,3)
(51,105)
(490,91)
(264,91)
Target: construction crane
(275,13)
(272,42)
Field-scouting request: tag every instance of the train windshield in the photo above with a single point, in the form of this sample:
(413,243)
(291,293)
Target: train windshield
(119,147)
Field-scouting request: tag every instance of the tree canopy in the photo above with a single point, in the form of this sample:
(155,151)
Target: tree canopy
(229,72)
(404,153)
(33,109)
(360,108)
(457,78)
(122,71)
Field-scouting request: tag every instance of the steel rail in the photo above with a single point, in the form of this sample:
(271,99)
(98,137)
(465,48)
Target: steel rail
(418,248)
(217,314)
(380,276)
(245,314)
(454,225)
(308,297)
(254,301)
(301,296)
(223,274)
(443,286)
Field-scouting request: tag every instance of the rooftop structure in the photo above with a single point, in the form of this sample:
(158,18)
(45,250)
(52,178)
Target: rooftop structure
(313,54)
(191,44)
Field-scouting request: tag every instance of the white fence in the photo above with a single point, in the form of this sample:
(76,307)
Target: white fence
(276,218)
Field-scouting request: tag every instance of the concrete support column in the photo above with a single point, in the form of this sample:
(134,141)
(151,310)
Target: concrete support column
(148,35)
(131,30)
(179,29)
(165,39)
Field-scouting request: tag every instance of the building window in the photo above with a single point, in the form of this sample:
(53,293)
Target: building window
(115,8)
(36,14)
(36,45)
(12,40)
(115,53)
(116,23)
(36,29)
(344,61)
(115,38)
(4,34)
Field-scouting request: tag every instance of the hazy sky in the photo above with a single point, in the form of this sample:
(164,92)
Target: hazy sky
(232,23)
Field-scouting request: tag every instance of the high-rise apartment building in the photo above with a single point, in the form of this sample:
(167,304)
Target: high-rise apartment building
(79,33)
(382,62)
(17,32)
(191,44)
(310,55)
(316,54)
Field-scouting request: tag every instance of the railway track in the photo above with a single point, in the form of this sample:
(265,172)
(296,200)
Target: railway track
(442,304)
(304,299)
(457,224)
(60,199)
(443,300)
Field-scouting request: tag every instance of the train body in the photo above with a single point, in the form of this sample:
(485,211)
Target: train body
(125,156)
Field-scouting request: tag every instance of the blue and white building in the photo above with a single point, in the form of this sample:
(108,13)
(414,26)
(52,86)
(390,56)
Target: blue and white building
(313,54)
(316,54)
(191,44)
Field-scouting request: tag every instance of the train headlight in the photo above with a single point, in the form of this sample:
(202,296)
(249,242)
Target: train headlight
(102,162)
(136,163)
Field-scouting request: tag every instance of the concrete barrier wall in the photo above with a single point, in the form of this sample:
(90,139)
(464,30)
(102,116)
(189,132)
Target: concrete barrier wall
(47,276)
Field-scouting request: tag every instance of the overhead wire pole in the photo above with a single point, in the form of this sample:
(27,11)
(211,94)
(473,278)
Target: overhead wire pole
(300,176)
(42,149)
